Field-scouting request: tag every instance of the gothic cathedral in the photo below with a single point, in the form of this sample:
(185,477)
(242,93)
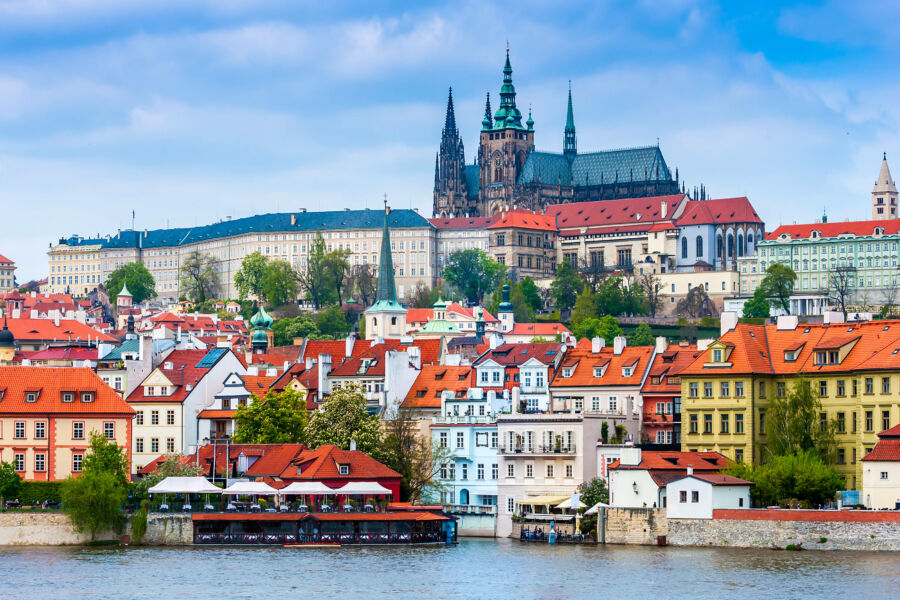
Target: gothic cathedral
(509,172)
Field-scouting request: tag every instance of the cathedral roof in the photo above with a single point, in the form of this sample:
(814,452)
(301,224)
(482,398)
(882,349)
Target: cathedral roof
(473,180)
(626,165)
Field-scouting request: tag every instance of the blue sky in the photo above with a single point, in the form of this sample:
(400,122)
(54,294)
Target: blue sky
(190,111)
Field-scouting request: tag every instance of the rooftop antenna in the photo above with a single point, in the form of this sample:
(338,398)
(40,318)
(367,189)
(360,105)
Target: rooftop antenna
(132,219)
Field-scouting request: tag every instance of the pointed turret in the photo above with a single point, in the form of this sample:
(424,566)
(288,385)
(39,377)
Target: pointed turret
(530,122)
(450,119)
(884,194)
(449,170)
(570,148)
(508,116)
(487,122)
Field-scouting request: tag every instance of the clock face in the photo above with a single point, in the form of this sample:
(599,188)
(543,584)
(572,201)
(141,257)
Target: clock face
(497,161)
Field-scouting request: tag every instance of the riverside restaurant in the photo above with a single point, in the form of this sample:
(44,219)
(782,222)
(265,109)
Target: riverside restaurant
(303,513)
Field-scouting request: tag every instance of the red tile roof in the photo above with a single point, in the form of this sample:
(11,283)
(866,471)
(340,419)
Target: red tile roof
(677,461)
(888,446)
(35,330)
(66,353)
(323,463)
(667,365)
(184,372)
(4,260)
(642,212)
(421,315)
(539,329)
(723,210)
(51,382)
(210,413)
(583,361)
(513,355)
(525,219)
(434,379)
(828,230)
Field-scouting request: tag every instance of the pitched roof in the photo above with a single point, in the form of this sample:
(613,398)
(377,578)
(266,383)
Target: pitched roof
(48,330)
(525,219)
(323,463)
(51,382)
(434,379)
(722,210)
(677,461)
(421,315)
(539,329)
(65,353)
(513,355)
(5,261)
(888,446)
(884,183)
(583,362)
(829,230)
(188,367)
(595,168)
(720,479)
(625,211)
(667,365)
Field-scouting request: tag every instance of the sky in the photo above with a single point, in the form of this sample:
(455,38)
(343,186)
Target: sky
(188,112)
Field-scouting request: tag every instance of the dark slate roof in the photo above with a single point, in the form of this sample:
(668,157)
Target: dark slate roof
(268,223)
(630,164)
(80,241)
(473,178)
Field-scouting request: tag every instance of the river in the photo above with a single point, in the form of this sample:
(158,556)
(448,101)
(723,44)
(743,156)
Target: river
(473,569)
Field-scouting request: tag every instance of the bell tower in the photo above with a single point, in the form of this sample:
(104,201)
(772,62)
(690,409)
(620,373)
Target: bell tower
(884,194)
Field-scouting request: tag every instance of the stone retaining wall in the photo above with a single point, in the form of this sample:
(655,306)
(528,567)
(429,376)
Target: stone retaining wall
(42,529)
(640,526)
(169,530)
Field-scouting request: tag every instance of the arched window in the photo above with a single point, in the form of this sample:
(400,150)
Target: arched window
(719,249)
(699,246)
(684,247)
(740,245)
(730,246)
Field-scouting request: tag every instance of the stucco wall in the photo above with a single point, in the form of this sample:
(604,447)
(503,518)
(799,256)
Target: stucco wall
(476,525)
(42,529)
(639,526)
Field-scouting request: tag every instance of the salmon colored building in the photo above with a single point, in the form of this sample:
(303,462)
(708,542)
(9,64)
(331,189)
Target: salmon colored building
(47,415)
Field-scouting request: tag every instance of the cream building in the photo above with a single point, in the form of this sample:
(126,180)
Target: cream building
(282,236)
(7,275)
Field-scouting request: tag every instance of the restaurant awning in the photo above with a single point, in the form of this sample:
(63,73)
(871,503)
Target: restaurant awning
(250,488)
(308,488)
(567,503)
(542,500)
(364,488)
(185,485)
(543,517)
(596,508)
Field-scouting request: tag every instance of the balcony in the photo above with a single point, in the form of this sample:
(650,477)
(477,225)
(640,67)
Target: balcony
(526,450)
(533,389)
(463,420)
(659,418)
(470,509)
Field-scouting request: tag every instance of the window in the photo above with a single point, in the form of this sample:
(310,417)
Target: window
(613,404)
(885,420)
(870,387)
(739,455)
(510,504)
(19,433)
(841,423)
(345,470)
(170,445)
(823,389)
(109,430)
(682,497)
(870,421)
(762,389)
(550,470)
(479,471)
(779,389)
(154,417)
(442,439)
(692,389)
(885,385)
(139,418)
(170,417)
(154,445)
(707,423)
(884,475)
(40,462)
(854,387)
(481,439)
(511,470)
(40,430)
(841,388)
(738,389)
(68,397)
(725,423)
(78,430)
(707,389)
(693,424)
(77,460)
(529,470)
(87,396)
(695,496)
(494,438)
(841,456)
(494,471)
(762,422)
(460,439)
(569,471)
(725,391)
(464,471)
(31,396)
(717,355)
(139,445)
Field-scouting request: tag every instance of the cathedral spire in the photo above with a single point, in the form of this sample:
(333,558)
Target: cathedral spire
(387,290)
(487,122)
(508,116)
(450,119)
(569,143)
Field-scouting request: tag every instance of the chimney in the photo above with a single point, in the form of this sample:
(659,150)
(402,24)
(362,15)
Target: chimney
(324,370)
(252,370)
(661,344)
(516,392)
(690,470)
(348,346)
(352,445)
(415,356)
(663,209)
(310,362)
(293,219)
(496,341)
(619,343)
(597,344)
(787,322)
(630,457)
(704,344)
(832,316)
(728,322)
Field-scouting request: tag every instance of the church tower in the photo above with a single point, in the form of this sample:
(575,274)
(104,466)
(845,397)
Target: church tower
(386,318)
(505,144)
(450,190)
(570,148)
(884,195)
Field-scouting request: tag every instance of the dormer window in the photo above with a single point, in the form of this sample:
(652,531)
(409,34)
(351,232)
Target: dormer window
(626,371)
(344,469)
(68,396)
(87,396)
(31,396)
(717,355)
(598,371)
(567,372)
(790,356)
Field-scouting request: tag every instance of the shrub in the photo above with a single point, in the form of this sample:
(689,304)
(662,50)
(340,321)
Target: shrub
(139,524)
(35,492)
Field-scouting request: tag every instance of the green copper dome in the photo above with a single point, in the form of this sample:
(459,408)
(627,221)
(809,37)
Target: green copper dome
(261,320)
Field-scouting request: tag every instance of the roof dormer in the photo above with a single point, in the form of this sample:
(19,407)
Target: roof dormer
(719,354)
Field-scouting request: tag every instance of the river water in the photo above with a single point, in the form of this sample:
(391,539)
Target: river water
(473,569)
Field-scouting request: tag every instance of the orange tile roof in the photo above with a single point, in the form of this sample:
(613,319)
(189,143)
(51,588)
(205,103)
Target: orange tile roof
(4,260)
(258,384)
(421,315)
(539,329)
(51,382)
(525,219)
(677,461)
(888,446)
(323,462)
(722,210)
(669,364)
(47,330)
(434,379)
(210,413)
(583,360)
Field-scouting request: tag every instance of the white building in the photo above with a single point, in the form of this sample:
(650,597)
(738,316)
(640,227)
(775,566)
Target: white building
(695,496)
(881,472)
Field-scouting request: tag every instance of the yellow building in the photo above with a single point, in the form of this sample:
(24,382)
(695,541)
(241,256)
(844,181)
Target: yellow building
(853,367)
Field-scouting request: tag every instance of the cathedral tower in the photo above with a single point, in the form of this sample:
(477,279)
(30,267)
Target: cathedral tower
(570,148)
(884,195)
(505,144)
(450,190)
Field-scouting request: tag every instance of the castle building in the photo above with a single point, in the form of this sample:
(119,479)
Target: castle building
(884,194)
(508,172)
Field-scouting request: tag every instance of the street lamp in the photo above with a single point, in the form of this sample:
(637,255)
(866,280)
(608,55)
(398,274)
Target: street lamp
(634,487)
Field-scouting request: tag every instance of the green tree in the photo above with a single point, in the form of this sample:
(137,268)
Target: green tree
(344,418)
(641,336)
(412,455)
(139,280)
(605,327)
(778,285)
(337,268)
(106,456)
(278,418)
(530,291)
(94,501)
(10,483)
(584,307)
(424,296)
(604,432)
(593,491)
(302,326)
(794,424)
(757,307)
(249,278)
(314,279)
(521,306)
(199,279)
(473,273)
(610,297)
(565,285)
(799,480)
(279,283)
(364,281)
(331,322)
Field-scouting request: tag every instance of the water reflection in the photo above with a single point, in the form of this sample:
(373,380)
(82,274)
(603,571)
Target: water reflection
(474,569)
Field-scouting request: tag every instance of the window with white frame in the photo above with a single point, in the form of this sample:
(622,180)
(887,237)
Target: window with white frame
(479,471)
(494,439)
(570,471)
(464,471)
(170,417)
(139,418)
(40,462)
(40,430)
(549,470)
(595,403)
(139,445)
(78,430)
(19,430)
(442,439)
(77,460)
(494,471)
(529,470)
(344,469)
(460,439)
(511,470)
(613,403)
(109,430)
(170,445)
(510,504)
(19,461)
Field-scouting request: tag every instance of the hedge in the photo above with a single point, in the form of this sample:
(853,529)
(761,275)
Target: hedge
(35,492)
